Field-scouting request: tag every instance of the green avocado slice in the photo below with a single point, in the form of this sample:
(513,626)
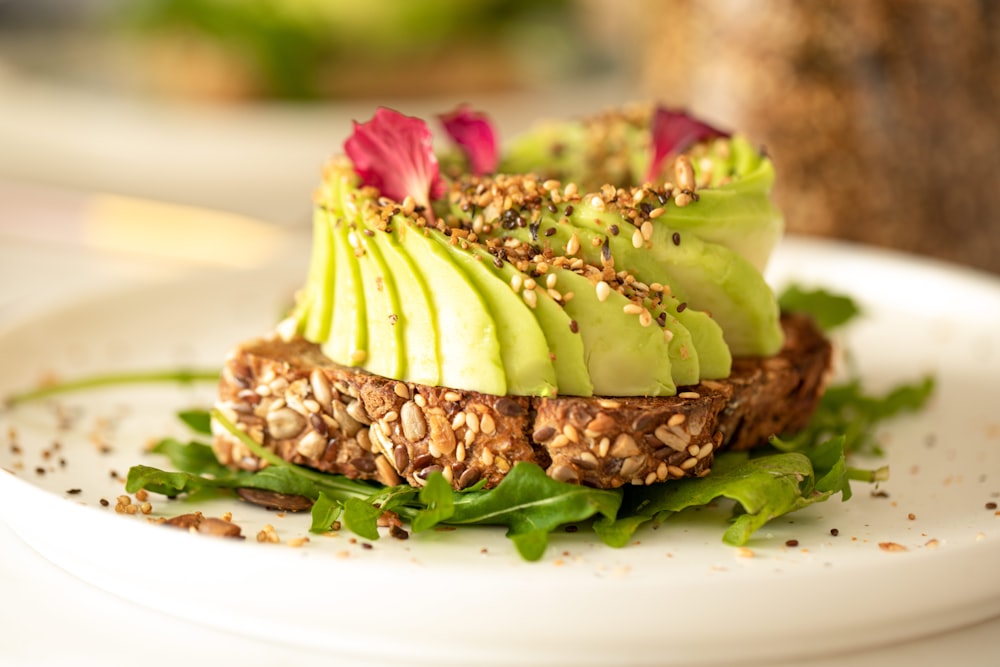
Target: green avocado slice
(421,339)
(704,276)
(565,346)
(315,309)
(347,343)
(738,213)
(523,346)
(715,361)
(386,353)
(471,355)
(623,357)
(685,364)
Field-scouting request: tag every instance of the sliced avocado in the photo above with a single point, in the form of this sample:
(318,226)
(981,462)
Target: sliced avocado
(704,276)
(315,308)
(623,357)
(715,361)
(685,365)
(565,346)
(737,213)
(386,352)
(590,152)
(347,343)
(470,350)
(523,346)
(717,280)
(416,321)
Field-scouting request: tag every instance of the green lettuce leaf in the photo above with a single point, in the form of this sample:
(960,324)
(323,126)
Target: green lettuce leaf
(829,310)
(531,504)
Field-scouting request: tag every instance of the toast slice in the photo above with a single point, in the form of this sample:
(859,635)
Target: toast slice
(286,395)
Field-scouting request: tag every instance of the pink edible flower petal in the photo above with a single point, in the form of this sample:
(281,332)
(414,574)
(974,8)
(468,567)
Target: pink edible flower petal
(394,153)
(474,134)
(673,133)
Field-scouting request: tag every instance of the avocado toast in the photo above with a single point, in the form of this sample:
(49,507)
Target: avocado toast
(591,302)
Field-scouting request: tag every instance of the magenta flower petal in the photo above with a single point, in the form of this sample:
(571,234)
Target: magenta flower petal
(674,132)
(394,153)
(474,134)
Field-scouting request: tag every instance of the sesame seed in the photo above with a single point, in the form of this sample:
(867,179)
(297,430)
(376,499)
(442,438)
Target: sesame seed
(647,230)
(689,394)
(573,245)
(676,238)
(603,291)
(637,239)
(632,309)
(613,230)
(574,327)
(550,280)
(451,396)
(530,298)
(645,319)
(657,212)
(554,294)
(515,282)
(549,231)
(529,283)
(683,199)
(684,172)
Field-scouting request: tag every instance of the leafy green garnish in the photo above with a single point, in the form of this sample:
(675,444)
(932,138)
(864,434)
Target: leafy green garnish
(827,309)
(179,376)
(847,410)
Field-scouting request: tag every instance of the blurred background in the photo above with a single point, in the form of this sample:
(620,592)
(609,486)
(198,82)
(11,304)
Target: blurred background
(883,117)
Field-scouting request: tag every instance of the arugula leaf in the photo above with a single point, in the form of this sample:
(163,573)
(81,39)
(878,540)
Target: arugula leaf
(199,421)
(849,411)
(531,504)
(165,483)
(192,457)
(827,309)
(766,487)
(325,512)
(438,499)
(361,518)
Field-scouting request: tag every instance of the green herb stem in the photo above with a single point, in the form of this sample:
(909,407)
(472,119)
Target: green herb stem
(183,376)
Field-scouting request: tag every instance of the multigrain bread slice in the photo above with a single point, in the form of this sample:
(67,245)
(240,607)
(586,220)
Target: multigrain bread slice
(290,398)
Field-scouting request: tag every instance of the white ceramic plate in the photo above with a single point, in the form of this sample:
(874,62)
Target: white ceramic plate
(675,596)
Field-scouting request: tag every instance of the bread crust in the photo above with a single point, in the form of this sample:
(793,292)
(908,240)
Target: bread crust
(290,398)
